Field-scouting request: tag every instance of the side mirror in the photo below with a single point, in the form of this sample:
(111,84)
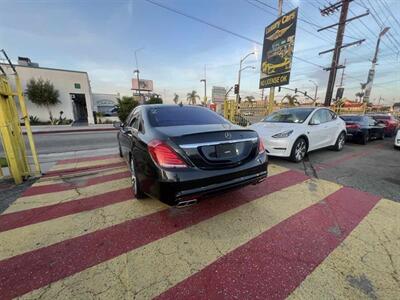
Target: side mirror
(315,122)
(118,125)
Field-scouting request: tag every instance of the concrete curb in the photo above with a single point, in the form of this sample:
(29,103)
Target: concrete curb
(72,130)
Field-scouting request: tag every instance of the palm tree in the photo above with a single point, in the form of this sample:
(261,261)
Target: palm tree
(191,97)
(176,98)
(291,99)
(360,95)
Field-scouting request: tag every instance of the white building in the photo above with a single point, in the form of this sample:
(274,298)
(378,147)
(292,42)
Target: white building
(73,87)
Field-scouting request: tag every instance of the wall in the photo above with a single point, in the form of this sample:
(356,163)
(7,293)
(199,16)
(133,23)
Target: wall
(63,81)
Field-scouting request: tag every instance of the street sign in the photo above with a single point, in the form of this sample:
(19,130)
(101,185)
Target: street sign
(278,49)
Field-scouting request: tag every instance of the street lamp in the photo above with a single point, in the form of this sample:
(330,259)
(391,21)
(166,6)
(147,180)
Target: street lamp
(205,90)
(371,73)
(316,88)
(240,71)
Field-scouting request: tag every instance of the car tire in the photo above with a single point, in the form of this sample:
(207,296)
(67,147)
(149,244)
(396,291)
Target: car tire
(120,151)
(299,150)
(136,187)
(382,136)
(340,141)
(364,138)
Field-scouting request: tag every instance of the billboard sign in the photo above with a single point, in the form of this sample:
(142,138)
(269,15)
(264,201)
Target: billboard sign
(145,85)
(218,94)
(278,49)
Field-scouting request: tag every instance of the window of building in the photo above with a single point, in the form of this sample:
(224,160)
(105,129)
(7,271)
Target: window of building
(77,85)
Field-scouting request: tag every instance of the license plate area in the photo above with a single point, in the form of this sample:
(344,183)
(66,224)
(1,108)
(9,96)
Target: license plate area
(226,151)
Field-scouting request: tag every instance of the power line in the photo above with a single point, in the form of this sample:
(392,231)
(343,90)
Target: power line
(219,28)
(390,12)
(268,12)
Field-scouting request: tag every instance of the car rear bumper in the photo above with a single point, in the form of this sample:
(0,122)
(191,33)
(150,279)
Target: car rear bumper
(194,183)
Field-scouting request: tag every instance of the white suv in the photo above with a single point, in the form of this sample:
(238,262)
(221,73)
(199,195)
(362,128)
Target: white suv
(397,139)
(292,132)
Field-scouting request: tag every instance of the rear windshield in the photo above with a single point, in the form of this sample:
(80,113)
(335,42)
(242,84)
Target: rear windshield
(183,115)
(290,115)
(352,118)
(381,117)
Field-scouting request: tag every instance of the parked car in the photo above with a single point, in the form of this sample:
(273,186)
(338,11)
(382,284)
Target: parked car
(391,123)
(292,132)
(179,153)
(363,128)
(397,140)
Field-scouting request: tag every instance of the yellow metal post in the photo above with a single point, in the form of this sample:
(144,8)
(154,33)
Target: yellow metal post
(28,129)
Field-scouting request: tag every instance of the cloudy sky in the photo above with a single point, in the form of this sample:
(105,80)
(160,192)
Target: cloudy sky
(100,37)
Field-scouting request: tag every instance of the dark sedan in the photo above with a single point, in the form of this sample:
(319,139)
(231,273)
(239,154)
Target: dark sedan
(363,128)
(180,153)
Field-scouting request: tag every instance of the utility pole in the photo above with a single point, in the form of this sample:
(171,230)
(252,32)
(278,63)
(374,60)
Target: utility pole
(371,73)
(205,86)
(341,78)
(344,5)
(137,75)
(272,89)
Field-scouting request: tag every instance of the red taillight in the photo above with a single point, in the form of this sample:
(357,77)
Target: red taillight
(261,148)
(164,155)
(353,126)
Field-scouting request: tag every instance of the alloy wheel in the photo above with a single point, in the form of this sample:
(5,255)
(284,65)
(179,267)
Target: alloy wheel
(300,150)
(341,141)
(133,176)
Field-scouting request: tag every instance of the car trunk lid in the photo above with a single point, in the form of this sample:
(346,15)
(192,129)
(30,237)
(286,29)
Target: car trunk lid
(218,148)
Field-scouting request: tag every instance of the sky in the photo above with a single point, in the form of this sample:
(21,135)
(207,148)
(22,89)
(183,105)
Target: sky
(101,37)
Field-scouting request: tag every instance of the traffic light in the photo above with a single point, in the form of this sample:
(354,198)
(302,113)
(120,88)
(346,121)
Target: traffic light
(305,93)
(236,89)
(279,89)
(295,90)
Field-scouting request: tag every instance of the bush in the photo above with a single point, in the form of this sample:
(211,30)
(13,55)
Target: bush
(154,100)
(125,106)
(3,162)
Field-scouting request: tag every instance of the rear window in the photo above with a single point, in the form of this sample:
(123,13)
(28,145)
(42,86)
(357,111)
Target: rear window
(352,118)
(183,115)
(381,117)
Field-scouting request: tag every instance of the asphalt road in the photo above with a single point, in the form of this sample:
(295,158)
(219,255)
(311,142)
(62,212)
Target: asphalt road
(66,142)
(374,168)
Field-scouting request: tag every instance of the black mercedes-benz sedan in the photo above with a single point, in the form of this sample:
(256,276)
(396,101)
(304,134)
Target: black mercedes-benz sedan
(180,153)
(363,128)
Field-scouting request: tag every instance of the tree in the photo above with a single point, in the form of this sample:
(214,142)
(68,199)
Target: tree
(191,97)
(359,96)
(155,99)
(43,94)
(291,99)
(125,106)
(249,99)
(176,98)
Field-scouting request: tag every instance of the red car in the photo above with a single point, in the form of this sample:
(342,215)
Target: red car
(391,123)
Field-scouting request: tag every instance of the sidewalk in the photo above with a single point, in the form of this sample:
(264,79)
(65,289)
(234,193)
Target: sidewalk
(43,129)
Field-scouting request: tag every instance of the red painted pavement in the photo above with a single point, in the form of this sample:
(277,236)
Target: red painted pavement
(45,213)
(32,270)
(84,159)
(273,264)
(91,168)
(72,183)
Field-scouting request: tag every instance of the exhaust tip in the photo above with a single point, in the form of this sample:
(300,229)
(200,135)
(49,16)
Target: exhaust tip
(186,203)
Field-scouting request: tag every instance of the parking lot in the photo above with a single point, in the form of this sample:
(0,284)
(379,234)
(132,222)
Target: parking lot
(313,230)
